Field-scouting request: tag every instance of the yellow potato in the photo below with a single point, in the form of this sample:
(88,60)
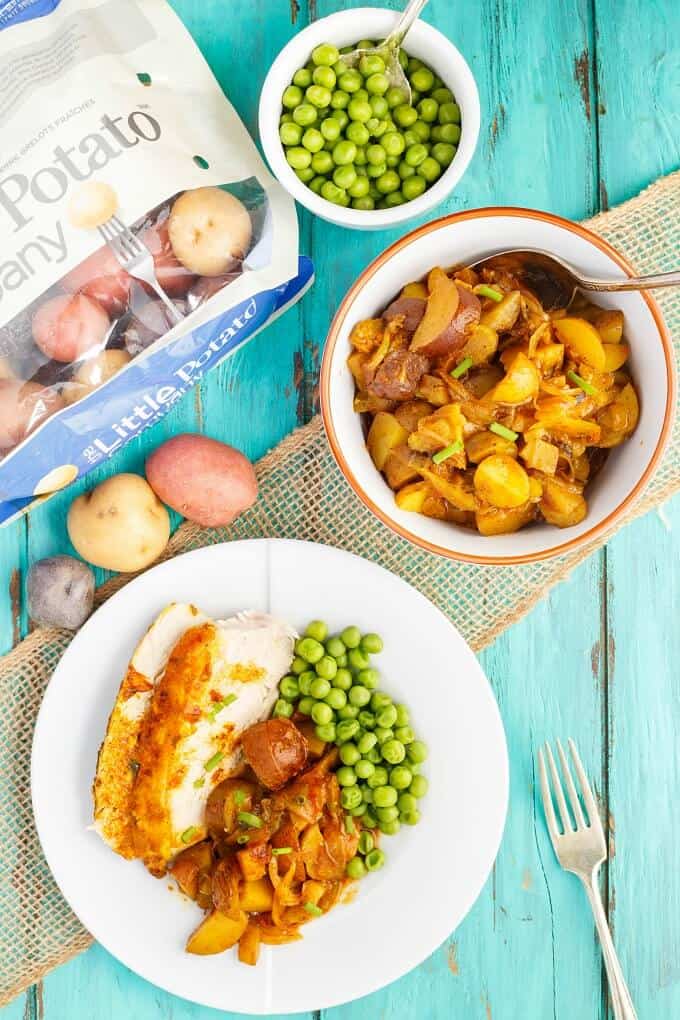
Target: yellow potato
(494,521)
(209,230)
(609,324)
(411,497)
(120,524)
(417,290)
(384,435)
(502,482)
(454,490)
(540,455)
(481,346)
(399,467)
(410,412)
(215,933)
(520,384)
(257,895)
(615,355)
(483,444)
(582,341)
(562,503)
(97,370)
(503,315)
(92,204)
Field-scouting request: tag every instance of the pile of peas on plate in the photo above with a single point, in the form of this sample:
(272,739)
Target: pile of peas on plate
(355,140)
(332,681)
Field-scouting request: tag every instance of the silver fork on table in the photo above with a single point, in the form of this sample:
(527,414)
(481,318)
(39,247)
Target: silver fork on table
(582,850)
(135,258)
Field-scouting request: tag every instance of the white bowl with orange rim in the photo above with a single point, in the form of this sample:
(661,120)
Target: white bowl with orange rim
(460,239)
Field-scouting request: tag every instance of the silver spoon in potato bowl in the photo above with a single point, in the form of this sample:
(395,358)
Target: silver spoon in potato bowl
(388,50)
(555,281)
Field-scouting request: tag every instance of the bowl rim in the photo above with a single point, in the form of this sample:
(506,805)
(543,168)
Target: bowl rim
(376,219)
(332,338)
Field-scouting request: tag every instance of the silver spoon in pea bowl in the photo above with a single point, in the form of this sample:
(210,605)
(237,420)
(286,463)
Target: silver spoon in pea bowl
(555,281)
(388,50)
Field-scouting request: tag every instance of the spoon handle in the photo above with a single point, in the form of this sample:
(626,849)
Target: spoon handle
(634,282)
(409,15)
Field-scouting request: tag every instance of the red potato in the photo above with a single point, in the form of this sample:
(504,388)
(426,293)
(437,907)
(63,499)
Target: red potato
(23,406)
(102,278)
(204,480)
(412,308)
(69,326)
(173,277)
(457,332)
(275,750)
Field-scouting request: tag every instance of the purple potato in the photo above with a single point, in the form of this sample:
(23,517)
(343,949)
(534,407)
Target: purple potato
(60,592)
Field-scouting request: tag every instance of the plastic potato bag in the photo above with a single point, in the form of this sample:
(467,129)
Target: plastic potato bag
(143,239)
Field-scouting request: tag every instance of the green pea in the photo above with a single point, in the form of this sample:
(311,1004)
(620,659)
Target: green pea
(443,153)
(374,860)
(357,659)
(417,751)
(350,81)
(324,76)
(384,796)
(379,778)
(332,193)
(348,712)
(305,115)
(379,106)
(346,776)
(411,138)
(286,118)
(292,97)
(364,44)
(289,688)
(367,720)
(305,705)
(364,768)
(415,154)
(395,97)
(377,84)
(389,828)
(339,99)
(442,95)
(387,814)
(342,660)
(365,204)
(367,740)
(404,170)
(342,679)
(322,162)
(449,133)
(309,648)
(374,755)
(359,163)
(371,63)
(367,795)
(380,700)
(360,110)
(359,189)
(393,144)
(418,786)
(339,67)
(383,735)
(430,169)
(325,55)
(346,49)
(316,184)
(298,157)
(347,729)
(283,709)
(336,698)
(387,716)
(422,79)
(344,153)
(326,732)
(302,78)
(393,751)
(428,109)
(381,128)
(375,154)
(355,868)
(409,817)
(359,810)
(341,117)
(335,647)
(421,130)
(361,94)
(350,797)
(404,115)
(366,842)
(327,667)
(406,802)
(322,713)
(449,113)
(413,65)
(369,820)
(357,132)
(330,129)
(393,199)
(391,162)
(349,754)
(312,140)
(359,695)
(405,734)
(400,777)
(318,630)
(319,688)
(368,677)
(290,134)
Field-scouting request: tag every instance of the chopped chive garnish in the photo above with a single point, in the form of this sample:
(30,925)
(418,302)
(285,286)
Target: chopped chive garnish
(250,820)
(243,838)
(461,369)
(583,383)
(312,909)
(214,761)
(279,851)
(504,433)
(189,834)
(199,783)
(485,291)
(219,705)
(349,825)
(447,452)
(239,797)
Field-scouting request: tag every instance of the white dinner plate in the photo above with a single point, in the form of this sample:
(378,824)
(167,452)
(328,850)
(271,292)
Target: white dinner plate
(434,870)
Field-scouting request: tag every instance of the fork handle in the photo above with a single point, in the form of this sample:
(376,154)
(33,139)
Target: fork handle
(174,314)
(622,1004)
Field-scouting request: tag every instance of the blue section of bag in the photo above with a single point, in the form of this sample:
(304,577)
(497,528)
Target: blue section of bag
(94,428)
(14,11)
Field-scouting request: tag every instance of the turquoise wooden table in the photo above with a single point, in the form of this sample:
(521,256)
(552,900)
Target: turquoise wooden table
(580,109)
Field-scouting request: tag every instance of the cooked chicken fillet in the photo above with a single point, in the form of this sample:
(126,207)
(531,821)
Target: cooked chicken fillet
(193,686)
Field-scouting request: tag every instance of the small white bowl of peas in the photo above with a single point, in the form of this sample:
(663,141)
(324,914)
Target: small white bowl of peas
(347,145)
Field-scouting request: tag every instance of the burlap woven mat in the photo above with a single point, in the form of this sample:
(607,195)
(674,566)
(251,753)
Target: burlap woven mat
(304,496)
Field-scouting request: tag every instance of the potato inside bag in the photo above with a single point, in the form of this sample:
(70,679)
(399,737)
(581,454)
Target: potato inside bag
(144,240)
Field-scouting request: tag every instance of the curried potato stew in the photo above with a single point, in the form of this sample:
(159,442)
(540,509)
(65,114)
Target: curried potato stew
(484,408)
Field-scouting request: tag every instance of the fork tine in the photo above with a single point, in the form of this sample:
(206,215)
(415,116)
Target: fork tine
(571,789)
(105,230)
(547,798)
(559,792)
(586,792)
(125,232)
